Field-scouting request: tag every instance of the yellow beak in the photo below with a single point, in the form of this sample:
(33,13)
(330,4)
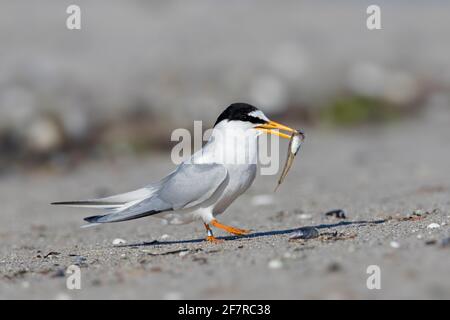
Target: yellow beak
(272,127)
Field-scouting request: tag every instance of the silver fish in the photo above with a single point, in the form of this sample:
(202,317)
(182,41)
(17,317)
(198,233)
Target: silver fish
(295,143)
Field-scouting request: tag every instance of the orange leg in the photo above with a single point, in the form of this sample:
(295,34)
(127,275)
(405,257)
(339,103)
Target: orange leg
(233,230)
(210,237)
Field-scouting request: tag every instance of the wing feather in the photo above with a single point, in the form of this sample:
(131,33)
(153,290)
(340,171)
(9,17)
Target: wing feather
(188,186)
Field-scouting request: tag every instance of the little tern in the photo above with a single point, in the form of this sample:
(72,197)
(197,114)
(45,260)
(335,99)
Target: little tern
(202,187)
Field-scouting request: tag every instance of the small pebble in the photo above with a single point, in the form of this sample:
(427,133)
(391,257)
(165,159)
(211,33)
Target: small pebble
(395,244)
(305,233)
(183,253)
(80,261)
(275,264)
(304,216)
(165,237)
(418,212)
(433,226)
(117,242)
(338,213)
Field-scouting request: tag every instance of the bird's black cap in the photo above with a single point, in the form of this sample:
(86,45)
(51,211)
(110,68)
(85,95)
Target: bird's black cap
(239,112)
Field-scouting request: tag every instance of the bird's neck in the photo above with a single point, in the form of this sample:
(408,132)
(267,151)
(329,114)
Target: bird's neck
(232,145)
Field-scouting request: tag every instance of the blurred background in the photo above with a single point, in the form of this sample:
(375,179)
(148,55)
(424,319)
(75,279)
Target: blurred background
(138,69)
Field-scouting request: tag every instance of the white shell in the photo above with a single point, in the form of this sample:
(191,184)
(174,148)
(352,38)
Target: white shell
(118,241)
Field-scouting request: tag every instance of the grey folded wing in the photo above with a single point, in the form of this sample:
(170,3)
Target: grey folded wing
(188,186)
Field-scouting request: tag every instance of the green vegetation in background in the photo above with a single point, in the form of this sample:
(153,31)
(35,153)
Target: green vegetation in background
(354,110)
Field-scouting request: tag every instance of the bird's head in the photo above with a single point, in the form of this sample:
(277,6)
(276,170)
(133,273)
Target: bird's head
(245,116)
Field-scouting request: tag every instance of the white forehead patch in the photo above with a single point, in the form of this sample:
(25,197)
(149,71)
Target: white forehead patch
(258,114)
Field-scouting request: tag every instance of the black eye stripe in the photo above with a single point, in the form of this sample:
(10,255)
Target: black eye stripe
(253,119)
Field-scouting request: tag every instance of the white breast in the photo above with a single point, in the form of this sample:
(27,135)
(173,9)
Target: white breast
(240,179)
(236,147)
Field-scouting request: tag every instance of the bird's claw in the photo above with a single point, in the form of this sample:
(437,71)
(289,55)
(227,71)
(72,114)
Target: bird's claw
(232,230)
(213,239)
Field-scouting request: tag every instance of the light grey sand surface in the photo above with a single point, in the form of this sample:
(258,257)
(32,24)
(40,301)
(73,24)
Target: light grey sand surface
(378,176)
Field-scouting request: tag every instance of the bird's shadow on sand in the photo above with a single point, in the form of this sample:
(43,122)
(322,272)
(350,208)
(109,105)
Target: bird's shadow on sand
(257,234)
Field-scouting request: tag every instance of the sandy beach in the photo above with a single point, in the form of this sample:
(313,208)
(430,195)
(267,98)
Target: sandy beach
(392,181)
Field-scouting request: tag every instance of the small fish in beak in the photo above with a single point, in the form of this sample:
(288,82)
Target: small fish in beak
(295,143)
